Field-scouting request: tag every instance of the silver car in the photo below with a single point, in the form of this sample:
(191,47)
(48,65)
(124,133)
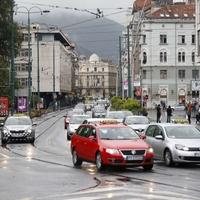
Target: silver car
(18,128)
(137,122)
(174,143)
(73,123)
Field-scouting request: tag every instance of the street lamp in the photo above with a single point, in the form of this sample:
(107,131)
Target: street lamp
(29,11)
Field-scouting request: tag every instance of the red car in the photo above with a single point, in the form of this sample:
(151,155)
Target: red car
(110,143)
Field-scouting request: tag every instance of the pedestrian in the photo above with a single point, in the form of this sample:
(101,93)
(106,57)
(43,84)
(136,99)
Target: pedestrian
(169,114)
(158,108)
(189,112)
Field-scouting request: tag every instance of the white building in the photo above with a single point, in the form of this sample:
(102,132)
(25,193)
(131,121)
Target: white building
(96,78)
(168,54)
(52,59)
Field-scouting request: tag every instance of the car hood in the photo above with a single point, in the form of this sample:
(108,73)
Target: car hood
(138,126)
(186,142)
(17,127)
(125,144)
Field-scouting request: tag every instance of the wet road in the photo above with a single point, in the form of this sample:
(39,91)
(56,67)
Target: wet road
(45,171)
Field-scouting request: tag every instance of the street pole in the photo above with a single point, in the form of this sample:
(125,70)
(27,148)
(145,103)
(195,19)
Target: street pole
(54,75)
(12,65)
(129,66)
(38,67)
(29,65)
(120,85)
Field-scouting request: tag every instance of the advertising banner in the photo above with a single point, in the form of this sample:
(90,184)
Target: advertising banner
(22,104)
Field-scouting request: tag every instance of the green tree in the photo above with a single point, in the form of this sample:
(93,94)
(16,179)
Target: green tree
(6,28)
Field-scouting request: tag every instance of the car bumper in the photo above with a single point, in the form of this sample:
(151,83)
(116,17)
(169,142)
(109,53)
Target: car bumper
(115,160)
(186,156)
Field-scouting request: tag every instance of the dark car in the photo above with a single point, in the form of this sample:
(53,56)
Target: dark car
(18,128)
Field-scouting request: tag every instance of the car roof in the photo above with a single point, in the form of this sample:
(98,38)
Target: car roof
(170,124)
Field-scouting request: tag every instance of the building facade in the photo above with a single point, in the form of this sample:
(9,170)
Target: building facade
(96,78)
(167,54)
(52,58)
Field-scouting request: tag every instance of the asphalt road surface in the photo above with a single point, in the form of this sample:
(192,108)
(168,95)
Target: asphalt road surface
(44,171)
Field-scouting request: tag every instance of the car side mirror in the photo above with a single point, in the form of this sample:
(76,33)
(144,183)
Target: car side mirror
(92,137)
(34,124)
(142,136)
(159,137)
(1,124)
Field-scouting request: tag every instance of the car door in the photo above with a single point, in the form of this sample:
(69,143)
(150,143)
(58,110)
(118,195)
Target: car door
(81,142)
(149,134)
(158,144)
(92,144)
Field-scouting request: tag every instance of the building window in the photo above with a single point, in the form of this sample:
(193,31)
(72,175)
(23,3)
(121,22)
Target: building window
(163,56)
(195,74)
(181,39)
(103,77)
(143,39)
(163,39)
(181,56)
(144,60)
(25,37)
(23,67)
(103,83)
(193,39)
(198,39)
(193,57)
(163,74)
(102,69)
(181,74)
(144,74)
(23,82)
(95,69)
(87,69)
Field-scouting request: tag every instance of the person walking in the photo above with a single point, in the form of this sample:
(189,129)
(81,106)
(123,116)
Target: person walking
(158,108)
(189,112)
(169,114)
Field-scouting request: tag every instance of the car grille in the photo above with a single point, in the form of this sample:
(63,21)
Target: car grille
(194,148)
(16,132)
(191,158)
(129,152)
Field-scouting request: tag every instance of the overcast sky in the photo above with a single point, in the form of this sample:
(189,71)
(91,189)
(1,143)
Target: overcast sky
(109,7)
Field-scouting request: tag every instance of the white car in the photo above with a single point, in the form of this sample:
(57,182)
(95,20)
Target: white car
(178,107)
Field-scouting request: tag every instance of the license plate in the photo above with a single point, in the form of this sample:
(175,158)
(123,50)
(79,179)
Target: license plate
(134,157)
(197,154)
(17,135)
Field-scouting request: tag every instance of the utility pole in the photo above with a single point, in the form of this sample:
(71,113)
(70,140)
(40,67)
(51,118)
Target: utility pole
(54,95)
(38,67)
(129,65)
(120,85)
(12,65)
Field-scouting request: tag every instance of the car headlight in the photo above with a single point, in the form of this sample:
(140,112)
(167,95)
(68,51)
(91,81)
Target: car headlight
(150,150)
(28,131)
(6,132)
(181,147)
(113,151)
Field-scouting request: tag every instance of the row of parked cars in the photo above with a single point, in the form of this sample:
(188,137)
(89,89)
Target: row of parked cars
(122,139)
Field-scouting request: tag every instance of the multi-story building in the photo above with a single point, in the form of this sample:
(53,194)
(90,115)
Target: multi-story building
(167,54)
(52,59)
(96,78)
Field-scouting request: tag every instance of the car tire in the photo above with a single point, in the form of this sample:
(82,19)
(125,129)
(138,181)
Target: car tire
(32,140)
(99,164)
(147,167)
(168,158)
(77,162)
(68,137)
(4,141)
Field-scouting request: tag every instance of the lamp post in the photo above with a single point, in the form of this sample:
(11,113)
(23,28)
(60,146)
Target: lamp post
(29,12)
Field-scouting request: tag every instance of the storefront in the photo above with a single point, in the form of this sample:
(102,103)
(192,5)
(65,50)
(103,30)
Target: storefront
(182,91)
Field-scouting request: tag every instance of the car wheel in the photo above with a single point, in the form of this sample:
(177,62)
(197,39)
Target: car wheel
(4,141)
(99,163)
(32,140)
(68,137)
(168,158)
(148,167)
(75,159)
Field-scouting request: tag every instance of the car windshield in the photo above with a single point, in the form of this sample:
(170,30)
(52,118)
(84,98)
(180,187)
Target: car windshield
(116,115)
(78,119)
(117,133)
(182,132)
(136,120)
(99,108)
(18,121)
